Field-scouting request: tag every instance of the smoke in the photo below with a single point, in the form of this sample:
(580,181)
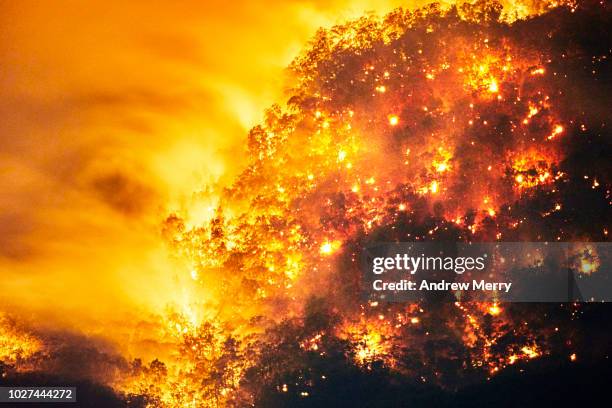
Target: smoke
(425,125)
(449,125)
(110,114)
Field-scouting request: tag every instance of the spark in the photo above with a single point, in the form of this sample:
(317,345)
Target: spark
(557,130)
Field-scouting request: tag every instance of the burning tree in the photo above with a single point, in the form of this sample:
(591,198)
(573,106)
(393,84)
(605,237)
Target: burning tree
(448,124)
(463,123)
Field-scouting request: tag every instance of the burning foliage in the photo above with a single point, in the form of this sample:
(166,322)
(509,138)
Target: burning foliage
(17,346)
(461,123)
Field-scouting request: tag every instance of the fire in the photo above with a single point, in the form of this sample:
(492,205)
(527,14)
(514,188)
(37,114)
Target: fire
(370,341)
(441,167)
(585,259)
(493,87)
(372,173)
(329,247)
(16,345)
(530,352)
(557,130)
(534,169)
(333,170)
(494,309)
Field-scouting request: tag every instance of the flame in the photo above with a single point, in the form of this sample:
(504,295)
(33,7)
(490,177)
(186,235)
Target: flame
(16,345)
(474,130)
(585,259)
(331,167)
(328,248)
(371,340)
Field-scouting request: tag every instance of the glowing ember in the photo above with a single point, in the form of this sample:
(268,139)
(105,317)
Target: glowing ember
(328,247)
(494,309)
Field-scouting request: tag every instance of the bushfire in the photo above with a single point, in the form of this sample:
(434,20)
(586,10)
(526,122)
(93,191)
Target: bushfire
(469,122)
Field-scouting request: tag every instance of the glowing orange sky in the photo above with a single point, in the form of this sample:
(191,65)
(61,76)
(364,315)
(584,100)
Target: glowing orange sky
(112,114)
